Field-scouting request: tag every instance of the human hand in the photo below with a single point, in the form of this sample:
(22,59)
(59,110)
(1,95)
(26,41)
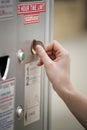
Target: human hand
(57,64)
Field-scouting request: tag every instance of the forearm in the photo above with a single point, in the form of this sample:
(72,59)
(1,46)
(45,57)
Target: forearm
(77,103)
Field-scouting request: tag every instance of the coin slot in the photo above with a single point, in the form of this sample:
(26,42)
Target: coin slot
(4,66)
(34,44)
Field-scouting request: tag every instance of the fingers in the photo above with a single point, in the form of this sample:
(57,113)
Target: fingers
(50,53)
(43,56)
(55,46)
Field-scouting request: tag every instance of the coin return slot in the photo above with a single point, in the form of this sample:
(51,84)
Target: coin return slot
(4,66)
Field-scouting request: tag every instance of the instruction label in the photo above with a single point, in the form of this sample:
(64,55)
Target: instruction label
(6,8)
(31,18)
(32,93)
(7,97)
(31,11)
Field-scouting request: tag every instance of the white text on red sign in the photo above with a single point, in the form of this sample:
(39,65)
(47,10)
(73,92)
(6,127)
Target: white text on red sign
(31,18)
(31,8)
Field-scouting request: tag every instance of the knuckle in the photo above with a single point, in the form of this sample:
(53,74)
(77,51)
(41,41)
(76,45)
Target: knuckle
(55,41)
(67,55)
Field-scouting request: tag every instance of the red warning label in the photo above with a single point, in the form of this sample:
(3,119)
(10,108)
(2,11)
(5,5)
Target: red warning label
(30,8)
(31,18)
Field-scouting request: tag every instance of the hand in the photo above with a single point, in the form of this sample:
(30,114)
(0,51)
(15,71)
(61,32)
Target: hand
(57,64)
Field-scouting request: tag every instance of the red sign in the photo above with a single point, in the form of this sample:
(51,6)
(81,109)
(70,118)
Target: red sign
(31,18)
(30,8)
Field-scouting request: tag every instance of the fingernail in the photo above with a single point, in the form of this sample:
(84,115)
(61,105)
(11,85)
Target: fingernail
(38,48)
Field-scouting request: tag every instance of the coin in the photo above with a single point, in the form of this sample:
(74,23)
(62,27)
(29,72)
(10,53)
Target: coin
(34,44)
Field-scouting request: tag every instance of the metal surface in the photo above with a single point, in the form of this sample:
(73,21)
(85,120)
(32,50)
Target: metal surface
(21,55)
(15,42)
(19,112)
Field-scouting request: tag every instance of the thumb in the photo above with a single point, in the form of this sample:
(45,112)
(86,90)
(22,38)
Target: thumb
(43,55)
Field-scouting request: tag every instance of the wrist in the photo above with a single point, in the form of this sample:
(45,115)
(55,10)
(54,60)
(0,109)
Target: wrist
(66,91)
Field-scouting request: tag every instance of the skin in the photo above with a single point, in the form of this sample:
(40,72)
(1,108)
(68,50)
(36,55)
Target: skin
(56,61)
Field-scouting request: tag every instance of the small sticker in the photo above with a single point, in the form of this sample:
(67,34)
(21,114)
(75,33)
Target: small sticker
(32,93)
(31,18)
(30,8)
(6,8)
(7,97)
